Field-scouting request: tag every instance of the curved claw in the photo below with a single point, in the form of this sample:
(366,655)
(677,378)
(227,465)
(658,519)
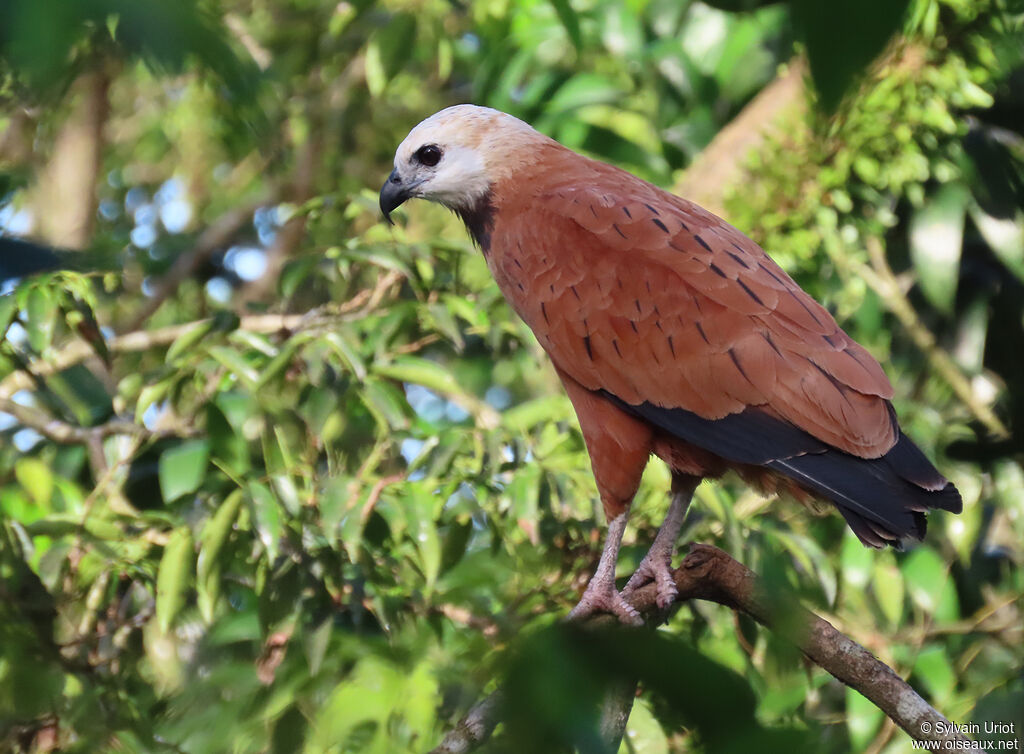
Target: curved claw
(604,598)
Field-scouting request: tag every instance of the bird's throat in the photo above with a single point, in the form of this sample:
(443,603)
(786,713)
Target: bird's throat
(479,220)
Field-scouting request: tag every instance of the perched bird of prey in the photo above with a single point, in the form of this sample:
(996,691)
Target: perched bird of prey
(675,335)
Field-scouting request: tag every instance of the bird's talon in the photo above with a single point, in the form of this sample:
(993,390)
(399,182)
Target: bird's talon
(605,601)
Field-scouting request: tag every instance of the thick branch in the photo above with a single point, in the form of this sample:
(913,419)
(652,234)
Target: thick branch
(720,166)
(708,573)
(66,192)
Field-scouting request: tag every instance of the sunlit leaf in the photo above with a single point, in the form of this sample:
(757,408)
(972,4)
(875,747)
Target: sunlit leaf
(936,239)
(174,577)
(183,469)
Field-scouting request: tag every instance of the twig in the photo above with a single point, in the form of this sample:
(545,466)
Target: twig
(708,573)
(66,434)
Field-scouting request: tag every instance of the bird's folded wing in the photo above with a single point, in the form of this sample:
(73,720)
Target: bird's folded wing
(652,299)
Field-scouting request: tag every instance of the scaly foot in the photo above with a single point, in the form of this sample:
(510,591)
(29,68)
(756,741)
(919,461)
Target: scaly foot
(601,594)
(657,563)
(604,598)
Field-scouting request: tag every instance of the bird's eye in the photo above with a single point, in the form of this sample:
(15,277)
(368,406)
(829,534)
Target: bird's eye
(429,155)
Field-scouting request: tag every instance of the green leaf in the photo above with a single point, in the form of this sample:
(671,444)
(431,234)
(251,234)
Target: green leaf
(36,478)
(862,719)
(211,542)
(421,372)
(1005,235)
(934,667)
(842,38)
(173,576)
(183,468)
(888,588)
(856,561)
(41,316)
(570,21)
(188,339)
(644,734)
(925,575)
(83,393)
(267,517)
(936,239)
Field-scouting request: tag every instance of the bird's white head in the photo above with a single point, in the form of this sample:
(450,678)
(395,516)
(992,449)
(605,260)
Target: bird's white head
(455,156)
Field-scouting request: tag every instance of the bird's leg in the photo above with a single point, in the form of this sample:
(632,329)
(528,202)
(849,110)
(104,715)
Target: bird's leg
(657,563)
(601,594)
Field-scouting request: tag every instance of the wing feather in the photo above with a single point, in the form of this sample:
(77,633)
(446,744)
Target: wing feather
(654,300)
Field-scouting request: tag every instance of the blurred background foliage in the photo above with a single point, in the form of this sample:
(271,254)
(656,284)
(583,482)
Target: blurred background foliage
(278,478)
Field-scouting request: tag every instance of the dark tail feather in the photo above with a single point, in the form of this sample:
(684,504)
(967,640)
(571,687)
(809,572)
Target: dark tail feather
(882,499)
(21,258)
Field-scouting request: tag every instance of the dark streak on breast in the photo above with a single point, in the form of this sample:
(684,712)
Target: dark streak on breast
(638,309)
(701,241)
(628,213)
(586,343)
(660,224)
(652,209)
(717,270)
(633,325)
(574,292)
(618,230)
(671,346)
(615,345)
(544,311)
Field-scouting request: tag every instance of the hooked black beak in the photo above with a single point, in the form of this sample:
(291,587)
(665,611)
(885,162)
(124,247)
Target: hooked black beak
(392,194)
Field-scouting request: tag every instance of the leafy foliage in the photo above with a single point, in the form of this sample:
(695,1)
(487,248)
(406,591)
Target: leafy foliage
(325,507)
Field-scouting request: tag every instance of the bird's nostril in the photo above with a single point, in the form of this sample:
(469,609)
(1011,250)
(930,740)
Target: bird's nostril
(395,179)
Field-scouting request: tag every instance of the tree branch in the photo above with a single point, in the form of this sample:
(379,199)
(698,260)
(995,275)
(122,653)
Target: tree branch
(708,573)
(142,340)
(66,434)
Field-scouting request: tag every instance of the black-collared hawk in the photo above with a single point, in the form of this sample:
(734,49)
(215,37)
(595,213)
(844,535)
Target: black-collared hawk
(674,335)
